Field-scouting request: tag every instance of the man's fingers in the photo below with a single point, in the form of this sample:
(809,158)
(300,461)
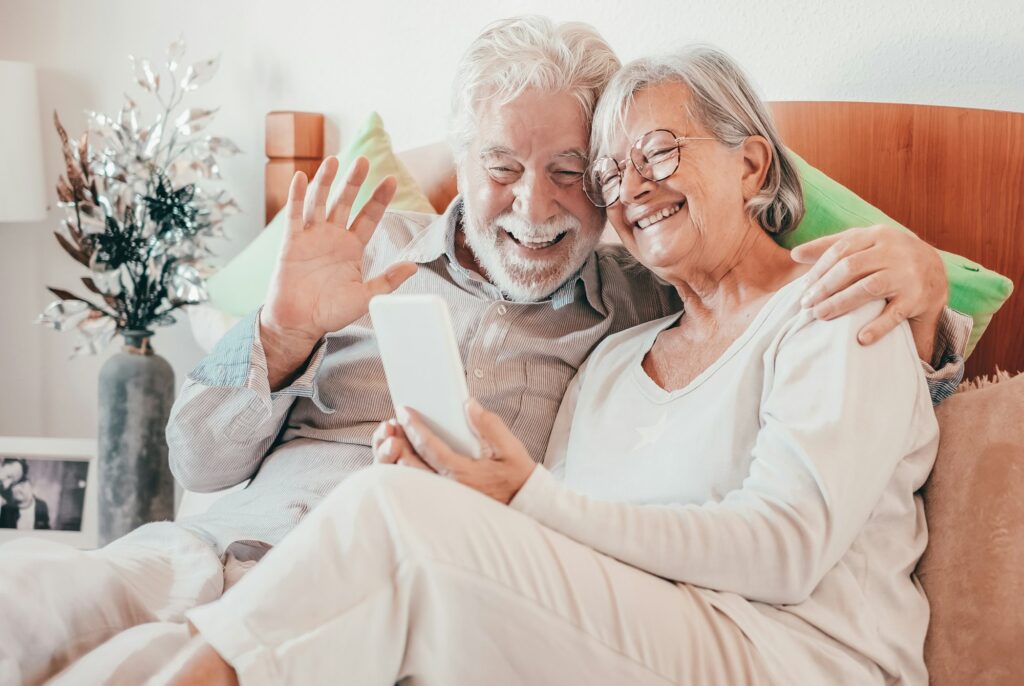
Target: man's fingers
(296,198)
(393,277)
(842,264)
(872,287)
(839,246)
(316,200)
(811,251)
(366,221)
(891,317)
(354,179)
(866,270)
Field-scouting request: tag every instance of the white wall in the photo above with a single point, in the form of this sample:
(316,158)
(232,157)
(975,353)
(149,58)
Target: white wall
(345,59)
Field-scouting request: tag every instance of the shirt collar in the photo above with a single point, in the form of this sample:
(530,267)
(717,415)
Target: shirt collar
(438,240)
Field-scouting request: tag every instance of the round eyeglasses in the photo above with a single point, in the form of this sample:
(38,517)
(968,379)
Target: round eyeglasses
(655,156)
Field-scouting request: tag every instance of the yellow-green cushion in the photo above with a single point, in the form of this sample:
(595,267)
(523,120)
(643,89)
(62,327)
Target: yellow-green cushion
(241,285)
(831,207)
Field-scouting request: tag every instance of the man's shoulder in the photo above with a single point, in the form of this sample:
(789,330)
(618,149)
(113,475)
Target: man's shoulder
(630,287)
(615,262)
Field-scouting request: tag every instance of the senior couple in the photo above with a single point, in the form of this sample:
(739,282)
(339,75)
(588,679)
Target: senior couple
(698,470)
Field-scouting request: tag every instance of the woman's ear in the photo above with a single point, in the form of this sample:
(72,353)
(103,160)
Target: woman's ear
(757,158)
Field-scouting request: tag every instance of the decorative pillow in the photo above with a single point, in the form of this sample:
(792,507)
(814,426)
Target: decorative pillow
(971,571)
(241,285)
(831,207)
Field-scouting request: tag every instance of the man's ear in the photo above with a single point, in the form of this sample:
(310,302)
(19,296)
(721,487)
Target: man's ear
(757,159)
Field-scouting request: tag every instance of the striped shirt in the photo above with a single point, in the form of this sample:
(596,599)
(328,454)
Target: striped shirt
(296,444)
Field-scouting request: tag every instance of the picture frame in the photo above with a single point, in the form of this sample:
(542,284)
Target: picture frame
(49,482)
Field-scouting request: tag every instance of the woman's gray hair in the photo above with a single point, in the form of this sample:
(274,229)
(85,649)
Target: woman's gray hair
(724,102)
(528,52)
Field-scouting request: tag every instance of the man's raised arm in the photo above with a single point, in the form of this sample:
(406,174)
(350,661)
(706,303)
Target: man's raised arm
(234,403)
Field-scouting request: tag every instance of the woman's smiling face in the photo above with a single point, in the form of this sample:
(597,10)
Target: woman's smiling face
(691,218)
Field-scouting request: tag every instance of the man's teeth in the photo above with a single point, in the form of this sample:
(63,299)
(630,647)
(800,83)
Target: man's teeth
(658,216)
(535,244)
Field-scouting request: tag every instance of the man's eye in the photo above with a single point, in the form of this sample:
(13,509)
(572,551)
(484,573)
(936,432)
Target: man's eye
(503,174)
(568,176)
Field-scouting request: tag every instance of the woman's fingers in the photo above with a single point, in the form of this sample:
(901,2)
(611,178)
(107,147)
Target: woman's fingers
(408,458)
(428,446)
(496,441)
(383,431)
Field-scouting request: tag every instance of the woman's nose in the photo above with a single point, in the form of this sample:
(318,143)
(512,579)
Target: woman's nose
(633,186)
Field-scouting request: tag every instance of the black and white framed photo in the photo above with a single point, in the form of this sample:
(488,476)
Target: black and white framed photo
(48,490)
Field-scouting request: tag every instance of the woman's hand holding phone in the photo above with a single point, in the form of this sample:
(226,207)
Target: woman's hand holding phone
(503,467)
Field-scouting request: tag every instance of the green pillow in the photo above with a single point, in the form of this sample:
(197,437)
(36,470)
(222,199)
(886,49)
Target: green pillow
(241,285)
(831,207)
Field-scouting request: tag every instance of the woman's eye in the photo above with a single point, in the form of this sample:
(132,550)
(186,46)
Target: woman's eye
(658,155)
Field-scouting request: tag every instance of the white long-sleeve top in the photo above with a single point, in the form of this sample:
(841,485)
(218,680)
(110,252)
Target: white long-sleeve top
(781,481)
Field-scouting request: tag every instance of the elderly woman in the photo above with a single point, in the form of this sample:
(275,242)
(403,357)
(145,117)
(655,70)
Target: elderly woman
(728,496)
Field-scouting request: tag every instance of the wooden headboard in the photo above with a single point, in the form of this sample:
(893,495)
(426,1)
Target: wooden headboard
(955,176)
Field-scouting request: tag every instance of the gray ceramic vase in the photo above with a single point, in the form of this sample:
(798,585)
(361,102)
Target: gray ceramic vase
(136,391)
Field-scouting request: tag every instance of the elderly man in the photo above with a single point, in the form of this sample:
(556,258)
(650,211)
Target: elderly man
(290,397)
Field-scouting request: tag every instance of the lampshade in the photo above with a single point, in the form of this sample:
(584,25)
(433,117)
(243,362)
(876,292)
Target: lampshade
(22,191)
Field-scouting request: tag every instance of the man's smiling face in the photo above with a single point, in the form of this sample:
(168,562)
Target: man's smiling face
(528,221)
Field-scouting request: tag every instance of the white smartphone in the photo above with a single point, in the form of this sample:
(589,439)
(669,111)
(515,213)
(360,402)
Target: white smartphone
(423,366)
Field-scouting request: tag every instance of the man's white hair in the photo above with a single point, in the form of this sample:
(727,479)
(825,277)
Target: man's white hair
(723,101)
(515,54)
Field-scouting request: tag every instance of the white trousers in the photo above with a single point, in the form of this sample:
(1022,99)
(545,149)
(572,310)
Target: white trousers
(400,574)
(58,603)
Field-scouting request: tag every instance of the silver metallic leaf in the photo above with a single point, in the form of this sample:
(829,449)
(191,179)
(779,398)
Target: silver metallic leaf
(193,120)
(207,168)
(153,135)
(228,207)
(144,74)
(61,315)
(96,331)
(187,286)
(175,51)
(219,145)
(129,117)
(199,73)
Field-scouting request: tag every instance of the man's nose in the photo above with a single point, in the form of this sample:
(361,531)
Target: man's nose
(535,199)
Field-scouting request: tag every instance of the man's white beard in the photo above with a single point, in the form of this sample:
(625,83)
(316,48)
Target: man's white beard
(518,277)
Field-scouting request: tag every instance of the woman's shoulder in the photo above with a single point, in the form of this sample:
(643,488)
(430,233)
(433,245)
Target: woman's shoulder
(798,329)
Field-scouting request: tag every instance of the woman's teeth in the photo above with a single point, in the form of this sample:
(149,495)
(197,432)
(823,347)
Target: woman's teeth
(658,216)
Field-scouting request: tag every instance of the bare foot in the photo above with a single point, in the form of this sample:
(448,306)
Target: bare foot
(197,663)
